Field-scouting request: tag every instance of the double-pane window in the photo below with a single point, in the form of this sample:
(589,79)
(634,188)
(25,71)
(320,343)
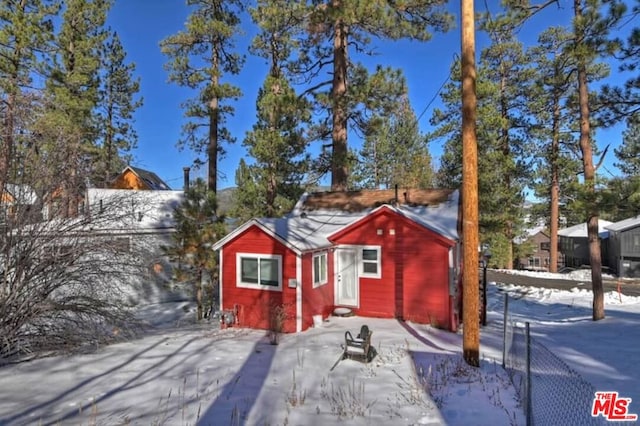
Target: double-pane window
(260,271)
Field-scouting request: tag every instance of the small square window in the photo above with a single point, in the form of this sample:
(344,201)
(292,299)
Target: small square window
(370,262)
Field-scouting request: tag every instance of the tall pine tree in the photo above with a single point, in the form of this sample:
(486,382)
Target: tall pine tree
(69,126)
(117,104)
(26,28)
(344,91)
(197,227)
(590,32)
(277,142)
(557,164)
(199,56)
(508,75)
(395,152)
(503,76)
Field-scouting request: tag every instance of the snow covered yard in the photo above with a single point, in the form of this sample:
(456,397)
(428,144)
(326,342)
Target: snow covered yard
(235,376)
(200,375)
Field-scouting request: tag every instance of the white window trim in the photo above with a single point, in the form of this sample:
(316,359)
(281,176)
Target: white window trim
(258,286)
(361,262)
(320,282)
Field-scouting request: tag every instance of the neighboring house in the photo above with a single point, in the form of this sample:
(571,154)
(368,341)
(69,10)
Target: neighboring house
(574,244)
(136,178)
(624,247)
(60,203)
(369,251)
(535,248)
(14,196)
(141,223)
(137,218)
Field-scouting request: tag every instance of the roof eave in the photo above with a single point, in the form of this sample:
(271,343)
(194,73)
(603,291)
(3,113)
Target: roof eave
(245,226)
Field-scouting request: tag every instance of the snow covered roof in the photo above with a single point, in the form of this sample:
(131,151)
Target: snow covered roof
(580,230)
(309,228)
(127,209)
(625,224)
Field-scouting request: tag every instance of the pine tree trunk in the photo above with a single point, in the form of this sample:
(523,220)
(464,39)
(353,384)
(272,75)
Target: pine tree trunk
(506,154)
(6,155)
(555,188)
(470,288)
(271,179)
(108,147)
(212,148)
(339,172)
(7,145)
(589,177)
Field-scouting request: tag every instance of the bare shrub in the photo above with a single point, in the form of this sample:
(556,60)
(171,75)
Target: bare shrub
(346,402)
(278,315)
(296,397)
(66,279)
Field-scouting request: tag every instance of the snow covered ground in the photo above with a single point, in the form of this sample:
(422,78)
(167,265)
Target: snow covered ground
(187,374)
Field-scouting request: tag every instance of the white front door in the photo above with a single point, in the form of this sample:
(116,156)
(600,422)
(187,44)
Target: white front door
(347,277)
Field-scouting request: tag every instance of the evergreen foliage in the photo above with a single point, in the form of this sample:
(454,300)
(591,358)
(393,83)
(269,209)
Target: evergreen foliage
(197,228)
(622,198)
(199,56)
(118,102)
(502,85)
(622,101)
(345,94)
(68,127)
(395,152)
(26,28)
(277,143)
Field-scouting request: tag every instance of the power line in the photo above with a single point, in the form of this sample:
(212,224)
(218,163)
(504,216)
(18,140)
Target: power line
(435,96)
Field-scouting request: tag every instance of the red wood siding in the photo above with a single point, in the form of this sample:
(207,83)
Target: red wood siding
(319,300)
(254,304)
(414,284)
(425,278)
(377,295)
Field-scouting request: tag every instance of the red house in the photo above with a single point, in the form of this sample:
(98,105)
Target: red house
(372,251)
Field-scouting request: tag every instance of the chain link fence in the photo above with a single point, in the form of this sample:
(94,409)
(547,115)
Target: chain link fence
(551,392)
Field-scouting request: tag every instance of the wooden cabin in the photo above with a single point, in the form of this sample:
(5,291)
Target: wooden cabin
(371,252)
(137,178)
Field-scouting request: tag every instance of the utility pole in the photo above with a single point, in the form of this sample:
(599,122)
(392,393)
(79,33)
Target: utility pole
(470,239)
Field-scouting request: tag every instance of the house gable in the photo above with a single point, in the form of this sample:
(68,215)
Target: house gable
(241,230)
(254,300)
(390,215)
(136,178)
(412,279)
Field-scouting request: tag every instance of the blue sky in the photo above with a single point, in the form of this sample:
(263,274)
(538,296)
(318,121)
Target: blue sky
(142,24)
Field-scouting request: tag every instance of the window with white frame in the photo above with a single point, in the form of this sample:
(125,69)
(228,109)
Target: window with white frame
(320,269)
(260,271)
(370,262)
